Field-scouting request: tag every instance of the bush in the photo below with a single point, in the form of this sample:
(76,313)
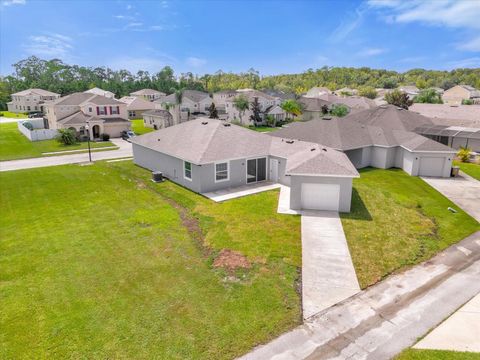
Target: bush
(467,102)
(105,137)
(429,96)
(28,125)
(339,110)
(368,92)
(66,137)
(464,154)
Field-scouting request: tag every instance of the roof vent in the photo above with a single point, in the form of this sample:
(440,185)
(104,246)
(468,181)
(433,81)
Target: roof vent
(313,149)
(327,118)
(226,124)
(324,149)
(158,139)
(399,108)
(289,141)
(204,122)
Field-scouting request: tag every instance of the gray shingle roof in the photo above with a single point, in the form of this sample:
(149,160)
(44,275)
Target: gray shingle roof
(204,141)
(147,92)
(40,92)
(347,134)
(80,98)
(137,103)
(390,117)
(158,112)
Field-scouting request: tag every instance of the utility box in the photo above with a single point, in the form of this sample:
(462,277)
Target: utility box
(157,176)
(455,170)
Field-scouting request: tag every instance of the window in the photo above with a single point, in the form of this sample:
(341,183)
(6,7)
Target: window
(89,109)
(116,110)
(221,172)
(187,170)
(130,113)
(28,108)
(101,110)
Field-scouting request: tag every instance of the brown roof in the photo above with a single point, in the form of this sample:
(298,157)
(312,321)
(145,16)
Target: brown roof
(147,92)
(79,98)
(137,103)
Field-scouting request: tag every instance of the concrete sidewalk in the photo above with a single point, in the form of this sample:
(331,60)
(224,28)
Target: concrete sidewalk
(463,190)
(460,332)
(125,150)
(328,275)
(388,317)
(240,191)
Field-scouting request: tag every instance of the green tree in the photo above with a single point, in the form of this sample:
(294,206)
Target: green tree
(339,110)
(398,98)
(367,91)
(66,137)
(428,96)
(291,107)
(241,104)
(464,154)
(256,111)
(212,110)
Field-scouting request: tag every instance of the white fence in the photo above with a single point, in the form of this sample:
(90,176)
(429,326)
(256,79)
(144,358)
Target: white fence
(38,133)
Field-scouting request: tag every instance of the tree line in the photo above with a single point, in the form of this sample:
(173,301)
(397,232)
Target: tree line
(57,76)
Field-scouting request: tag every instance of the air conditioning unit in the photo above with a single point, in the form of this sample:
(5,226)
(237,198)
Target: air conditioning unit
(157,176)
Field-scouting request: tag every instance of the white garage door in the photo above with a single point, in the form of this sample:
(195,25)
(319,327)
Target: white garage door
(320,196)
(431,166)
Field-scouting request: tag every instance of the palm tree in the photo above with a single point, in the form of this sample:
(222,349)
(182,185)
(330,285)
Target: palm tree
(241,104)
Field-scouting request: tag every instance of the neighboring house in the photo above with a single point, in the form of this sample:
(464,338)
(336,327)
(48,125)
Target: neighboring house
(148,94)
(368,145)
(220,100)
(207,155)
(280,95)
(158,119)
(194,103)
(317,92)
(30,100)
(455,126)
(410,90)
(74,111)
(456,94)
(98,91)
(313,106)
(269,105)
(136,106)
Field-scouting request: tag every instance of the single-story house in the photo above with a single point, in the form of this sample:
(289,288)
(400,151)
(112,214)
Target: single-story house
(158,119)
(317,91)
(458,93)
(207,155)
(369,145)
(136,106)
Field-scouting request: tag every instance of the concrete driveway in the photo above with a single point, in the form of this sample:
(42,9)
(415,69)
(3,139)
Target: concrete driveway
(125,150)
(463,190)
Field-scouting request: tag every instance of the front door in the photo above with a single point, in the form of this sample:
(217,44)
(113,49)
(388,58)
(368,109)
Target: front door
(96,131)
(274,170)
(256,170)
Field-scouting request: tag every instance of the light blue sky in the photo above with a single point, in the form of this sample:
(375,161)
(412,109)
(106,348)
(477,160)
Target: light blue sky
(270,36)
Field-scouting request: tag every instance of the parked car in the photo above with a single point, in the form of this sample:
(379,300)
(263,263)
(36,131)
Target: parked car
(128,135)
(35,114)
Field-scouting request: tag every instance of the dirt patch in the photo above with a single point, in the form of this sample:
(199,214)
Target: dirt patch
(231,260)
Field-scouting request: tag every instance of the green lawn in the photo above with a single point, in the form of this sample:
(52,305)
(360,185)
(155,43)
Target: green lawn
(398,220)
(139,128)
(469,168)
(99,262)
(9,114)
(415,354)
(13,145)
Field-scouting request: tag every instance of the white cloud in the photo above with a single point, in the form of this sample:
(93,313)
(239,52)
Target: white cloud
(348,26)
(164,4)
(133,64)
(464,63)
(371,52)
(13,2)
(134,24)
(412,59)
(52,45)
(471,45)
(451,13)
(129,7)
(195,62)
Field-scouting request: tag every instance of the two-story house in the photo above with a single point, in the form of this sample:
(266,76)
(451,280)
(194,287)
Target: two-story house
(193,103)
(269,105)
(101,92)
(30,100)
(104,115)
(148,94)
(136,106)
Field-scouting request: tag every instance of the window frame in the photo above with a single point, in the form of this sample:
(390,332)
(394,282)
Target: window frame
(215,171)
(185,170)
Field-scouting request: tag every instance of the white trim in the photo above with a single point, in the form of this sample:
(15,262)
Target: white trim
(215,171)
(324,175)
(191,170)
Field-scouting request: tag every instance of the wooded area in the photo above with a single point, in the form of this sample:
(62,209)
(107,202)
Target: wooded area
(56,76)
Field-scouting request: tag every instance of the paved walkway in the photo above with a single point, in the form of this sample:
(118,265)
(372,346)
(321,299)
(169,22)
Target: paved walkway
(381,321)
(460,332)
(463,190)
(10,120)
(328,275)
(125,150)
(244,190)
